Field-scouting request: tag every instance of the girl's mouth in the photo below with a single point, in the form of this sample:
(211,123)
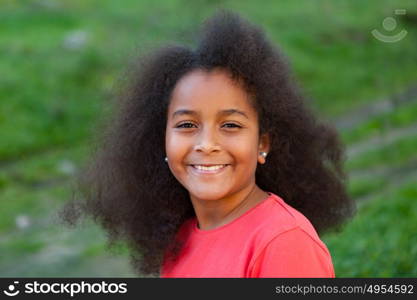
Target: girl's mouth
(213,169)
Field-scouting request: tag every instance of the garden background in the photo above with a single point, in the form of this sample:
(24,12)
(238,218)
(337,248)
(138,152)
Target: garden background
(60,65)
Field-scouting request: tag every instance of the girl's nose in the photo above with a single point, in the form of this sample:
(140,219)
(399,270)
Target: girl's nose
(207,141)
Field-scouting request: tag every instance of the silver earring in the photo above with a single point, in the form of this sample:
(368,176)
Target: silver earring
(166,159)
(264,154)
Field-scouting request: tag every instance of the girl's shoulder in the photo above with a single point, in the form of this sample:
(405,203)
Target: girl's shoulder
(286,236)
(289,217)
(276,217)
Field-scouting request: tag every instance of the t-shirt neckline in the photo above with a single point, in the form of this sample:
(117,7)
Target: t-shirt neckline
(222,227)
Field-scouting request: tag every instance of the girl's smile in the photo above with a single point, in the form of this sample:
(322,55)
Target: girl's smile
(208,169)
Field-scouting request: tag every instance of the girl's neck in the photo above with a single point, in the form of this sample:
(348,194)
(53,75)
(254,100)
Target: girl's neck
(215,213)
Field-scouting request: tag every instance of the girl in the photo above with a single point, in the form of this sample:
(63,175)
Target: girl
(214,167)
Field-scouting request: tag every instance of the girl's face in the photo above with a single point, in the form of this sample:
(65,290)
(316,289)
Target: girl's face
(212,141)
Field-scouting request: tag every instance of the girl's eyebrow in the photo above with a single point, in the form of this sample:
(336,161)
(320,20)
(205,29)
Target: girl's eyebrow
(225,112)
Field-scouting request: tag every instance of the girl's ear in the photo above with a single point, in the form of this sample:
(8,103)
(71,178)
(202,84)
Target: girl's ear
(264,147)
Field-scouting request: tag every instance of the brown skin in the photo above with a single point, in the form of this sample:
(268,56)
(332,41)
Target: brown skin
(209,137)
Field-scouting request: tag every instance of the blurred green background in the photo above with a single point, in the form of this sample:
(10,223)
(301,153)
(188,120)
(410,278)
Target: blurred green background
(60,64)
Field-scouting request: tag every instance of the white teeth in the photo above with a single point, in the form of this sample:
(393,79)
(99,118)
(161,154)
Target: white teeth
(211,168)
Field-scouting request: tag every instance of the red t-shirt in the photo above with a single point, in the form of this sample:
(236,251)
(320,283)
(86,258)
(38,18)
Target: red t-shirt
(271,239)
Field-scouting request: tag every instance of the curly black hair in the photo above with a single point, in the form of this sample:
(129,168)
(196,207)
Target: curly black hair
(129,190)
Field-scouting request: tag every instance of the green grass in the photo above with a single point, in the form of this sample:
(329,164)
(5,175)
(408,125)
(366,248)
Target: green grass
(381,240)
(28,201)
(361,187)
(399,152)
(54,164)
(400,117)
(51,96)
(55,251)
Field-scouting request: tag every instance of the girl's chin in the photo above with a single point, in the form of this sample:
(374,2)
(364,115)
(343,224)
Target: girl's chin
(207,195)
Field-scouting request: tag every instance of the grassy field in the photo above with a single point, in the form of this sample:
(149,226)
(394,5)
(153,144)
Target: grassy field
(61,63)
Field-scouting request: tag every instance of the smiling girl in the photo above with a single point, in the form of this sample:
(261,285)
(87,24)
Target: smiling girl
(214,166)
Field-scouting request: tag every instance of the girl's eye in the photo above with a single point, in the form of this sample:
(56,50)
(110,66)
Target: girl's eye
(189,125)
(232,125)
(185,125)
